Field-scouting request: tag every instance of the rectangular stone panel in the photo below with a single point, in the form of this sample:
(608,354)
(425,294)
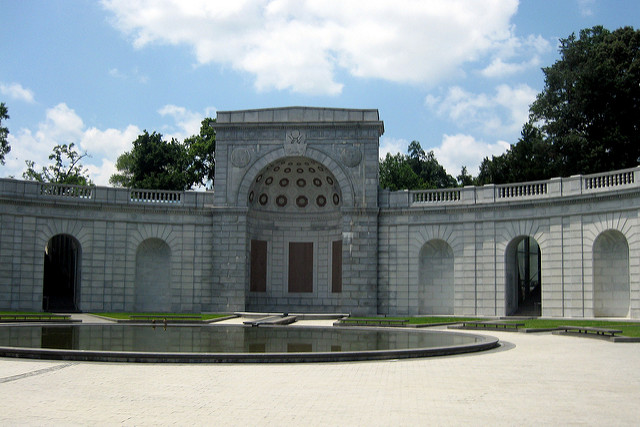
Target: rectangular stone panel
(336,266)
(258,280)
(300,267)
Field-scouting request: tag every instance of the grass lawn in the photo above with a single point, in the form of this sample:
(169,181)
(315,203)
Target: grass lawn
(628,329)
(421,320)
(128,315)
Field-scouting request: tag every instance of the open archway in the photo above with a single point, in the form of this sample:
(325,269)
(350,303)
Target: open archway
(611,292)
(436,289)
(61,280)
(523,287)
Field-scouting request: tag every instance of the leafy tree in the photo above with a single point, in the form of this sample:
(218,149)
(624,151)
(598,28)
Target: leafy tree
(432,174)
(154,163)
(418,170)
(588,109)
(586,119)
(4,132)
(201,151)
(396,173)
(66,167)
(530,159)
(465,178)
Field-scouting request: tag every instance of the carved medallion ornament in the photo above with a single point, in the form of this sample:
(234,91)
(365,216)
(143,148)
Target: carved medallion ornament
(295,143)
(240,157)
(349,155)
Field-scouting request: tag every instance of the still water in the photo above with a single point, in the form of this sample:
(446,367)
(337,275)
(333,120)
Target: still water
(224,339)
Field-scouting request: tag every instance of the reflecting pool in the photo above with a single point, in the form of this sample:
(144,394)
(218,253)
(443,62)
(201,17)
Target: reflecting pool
(119,342)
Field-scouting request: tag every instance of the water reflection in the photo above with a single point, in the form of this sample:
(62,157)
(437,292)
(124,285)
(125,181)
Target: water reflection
(223,339)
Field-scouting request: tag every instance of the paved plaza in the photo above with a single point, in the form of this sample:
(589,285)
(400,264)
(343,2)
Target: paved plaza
(533,379)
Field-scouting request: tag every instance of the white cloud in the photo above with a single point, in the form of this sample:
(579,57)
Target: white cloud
(187,123)
(501,114)
(392,146)
(63,126)
(586,7)
(514,55)
(16,91)
(135,74)
(299,45)
(460,150)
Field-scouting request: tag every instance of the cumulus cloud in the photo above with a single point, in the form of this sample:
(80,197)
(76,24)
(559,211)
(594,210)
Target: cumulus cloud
(300,45)
(586,7)
(392,146)
(187,123)
(63,126)
(515,55)
(460,150)
(500,114)
(16,91)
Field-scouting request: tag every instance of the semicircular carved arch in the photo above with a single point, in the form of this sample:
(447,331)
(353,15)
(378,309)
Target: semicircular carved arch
(345,184)
(445,232)
(616,221)
(143,232)
(507,232)
(76,229)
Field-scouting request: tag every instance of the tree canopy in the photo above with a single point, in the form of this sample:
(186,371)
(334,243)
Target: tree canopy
(154,163)
(4,133)
(586,119)
(417,170)
(66,167)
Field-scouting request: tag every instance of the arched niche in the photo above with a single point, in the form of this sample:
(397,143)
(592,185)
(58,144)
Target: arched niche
(436,278)
(611,290)
(153,276)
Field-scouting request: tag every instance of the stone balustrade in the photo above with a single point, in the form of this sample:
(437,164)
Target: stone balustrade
(552,188)
(29,190)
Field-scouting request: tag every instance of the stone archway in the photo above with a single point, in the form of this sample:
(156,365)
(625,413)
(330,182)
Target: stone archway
(61,280)
(294,226)
(611,291)
(523,273)
(436,278)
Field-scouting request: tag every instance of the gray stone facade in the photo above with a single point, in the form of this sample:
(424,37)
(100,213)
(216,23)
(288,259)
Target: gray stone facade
(298,224)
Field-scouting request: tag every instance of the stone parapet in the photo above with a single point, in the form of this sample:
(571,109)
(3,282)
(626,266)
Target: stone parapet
(578,185)
(46,192)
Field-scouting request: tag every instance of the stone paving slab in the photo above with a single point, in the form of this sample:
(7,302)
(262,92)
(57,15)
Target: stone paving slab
(535,379)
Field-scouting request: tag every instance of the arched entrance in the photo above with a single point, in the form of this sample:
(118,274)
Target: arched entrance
(611,291)
(61,281)
(153,276)
(436,291)
(523,287)
(294,227)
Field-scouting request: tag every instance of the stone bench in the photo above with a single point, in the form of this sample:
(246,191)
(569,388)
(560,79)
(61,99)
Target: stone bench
(512,326)
(375,321)
(169,318)
(11,318)
(605,332)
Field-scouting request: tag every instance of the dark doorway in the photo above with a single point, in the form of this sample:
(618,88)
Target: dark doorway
(526,268)
(61,274)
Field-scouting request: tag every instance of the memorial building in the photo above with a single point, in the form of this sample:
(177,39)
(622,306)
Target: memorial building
(298,223)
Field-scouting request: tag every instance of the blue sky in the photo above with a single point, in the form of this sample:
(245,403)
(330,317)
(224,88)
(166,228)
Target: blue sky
(456,75)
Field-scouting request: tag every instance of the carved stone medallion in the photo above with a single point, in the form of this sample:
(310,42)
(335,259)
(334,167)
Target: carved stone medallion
(240,157)
(349,155)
